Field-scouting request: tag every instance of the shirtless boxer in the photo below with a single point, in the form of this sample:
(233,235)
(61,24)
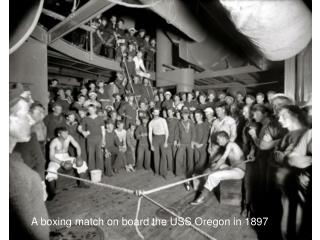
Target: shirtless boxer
(59,157)
(235,169)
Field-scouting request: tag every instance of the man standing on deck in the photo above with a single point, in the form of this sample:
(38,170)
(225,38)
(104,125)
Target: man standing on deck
(158,138)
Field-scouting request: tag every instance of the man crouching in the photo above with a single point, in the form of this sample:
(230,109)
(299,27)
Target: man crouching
(59,157)
(234,170)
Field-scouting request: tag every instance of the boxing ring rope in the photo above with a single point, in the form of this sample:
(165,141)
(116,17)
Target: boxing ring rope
(143,194)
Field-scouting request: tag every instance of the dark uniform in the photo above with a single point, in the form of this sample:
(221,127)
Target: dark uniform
(184,156)
(129,112)
(171,149)
(201,136)
(143,150)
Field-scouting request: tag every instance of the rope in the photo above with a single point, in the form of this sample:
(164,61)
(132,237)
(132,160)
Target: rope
(137,218)
(185,180)
(177,216)
(174,184)
(135,5)
(121,189)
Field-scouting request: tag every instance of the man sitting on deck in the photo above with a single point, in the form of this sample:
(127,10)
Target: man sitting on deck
(59,157)
(220,170)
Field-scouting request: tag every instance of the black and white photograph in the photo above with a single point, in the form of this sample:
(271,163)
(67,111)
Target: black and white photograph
(160,120)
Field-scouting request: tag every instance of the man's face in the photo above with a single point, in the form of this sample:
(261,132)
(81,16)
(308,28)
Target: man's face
(92,86)
(139,54)
(20,122)
(100,84)
(167,96)
(285,118)
(211,97)
(156,113)
(185,116)
(57,110)
(198,117)
(222,141)
(249,101)
(260,99)
(93,97)
(104,22)
(61,93)
(153,42)
(68,92)
(176,98)
(202,99)
(120,125)
(145,121)
(151,104)
(239,97)
(113,19)
(257,116)
(64,134)
(222,96)
(71,118)
(209,115)
(82,114)
(190,97)
(220,112)
(92,110)
(141,34)
(37,114)
(54,83)
(110,127)
(269,96)
(81,100)
(84,91)
(170,113)
(120,24)
(131,98)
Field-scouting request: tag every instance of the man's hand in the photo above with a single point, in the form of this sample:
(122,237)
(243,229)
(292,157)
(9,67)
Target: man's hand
(107,154)
(165,145)
(251,157)
(86,133)
(152,148)
(103,143)
(175,143)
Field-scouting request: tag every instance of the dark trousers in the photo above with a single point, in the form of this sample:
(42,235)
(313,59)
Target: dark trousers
(143,156)
(184,160)
(200,159)
(170,153)
(108,162)
(95,160)
(159,153)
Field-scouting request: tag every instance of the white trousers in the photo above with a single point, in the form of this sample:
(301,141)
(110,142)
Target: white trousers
(228,174)
(54,167)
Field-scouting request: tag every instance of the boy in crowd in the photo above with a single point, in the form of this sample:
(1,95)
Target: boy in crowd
(220,169)
(62,100)
(59,157)
(117,101)
(146,92)
(158,138)
(211,99)
(202,101)
(102,94)
(143,150)
(184,136)
(92,128)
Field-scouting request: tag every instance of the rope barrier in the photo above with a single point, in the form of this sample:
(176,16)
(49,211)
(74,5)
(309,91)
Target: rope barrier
(143,194)
(130,5)
(185,180)
(121,189)
(137,218)
(177,216)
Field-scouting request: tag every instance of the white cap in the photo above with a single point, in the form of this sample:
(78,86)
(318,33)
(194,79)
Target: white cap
(167,92)
(208,110)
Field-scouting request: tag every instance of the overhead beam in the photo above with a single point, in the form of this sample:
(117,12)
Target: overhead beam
(59,17)
(228,72)
(76,19)
(227,85)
